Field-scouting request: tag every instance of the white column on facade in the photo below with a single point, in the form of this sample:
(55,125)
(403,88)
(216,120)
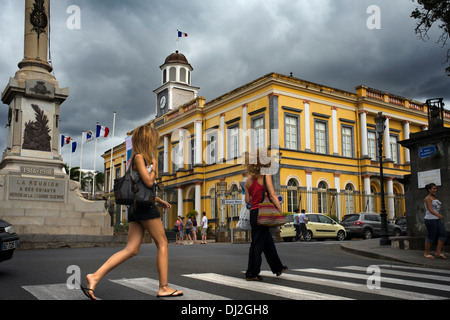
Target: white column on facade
(198,142)
(335,131)
(406,132)
(181,148)
(307,127)
(170,102)
(198,200)
(387,141)
(390,206)
(368,202)
(180,201)
(166,154)
(309,191)
(244,128)
(222,138)
(337,185)
(364,144)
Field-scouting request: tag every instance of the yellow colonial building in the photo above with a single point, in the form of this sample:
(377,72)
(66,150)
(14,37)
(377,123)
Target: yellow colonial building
(324,140)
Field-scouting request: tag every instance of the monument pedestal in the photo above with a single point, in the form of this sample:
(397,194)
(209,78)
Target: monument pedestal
(36,195)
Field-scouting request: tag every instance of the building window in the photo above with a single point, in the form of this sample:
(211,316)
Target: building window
(394,149)
(372,145)
(233,142)
(164,75)
(291,132)
(321,137)
(349,199)
(258,140)
(175,159)
(347,141)
(160,163)
(173,74)
(322,197)
(292,195)
(182,75)
(211,148)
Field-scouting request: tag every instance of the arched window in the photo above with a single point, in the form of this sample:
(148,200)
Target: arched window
(182,75)
(173,74)
(349,199)
(292,195)
(164,76)
(322,197)
(374,203)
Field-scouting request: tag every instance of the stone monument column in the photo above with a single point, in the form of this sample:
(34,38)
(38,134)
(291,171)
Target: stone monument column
(36,195)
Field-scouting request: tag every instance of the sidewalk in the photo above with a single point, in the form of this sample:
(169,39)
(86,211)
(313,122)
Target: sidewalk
(372,249)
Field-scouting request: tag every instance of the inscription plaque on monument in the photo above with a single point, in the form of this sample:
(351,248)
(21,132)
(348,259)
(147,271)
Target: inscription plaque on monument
(36,189)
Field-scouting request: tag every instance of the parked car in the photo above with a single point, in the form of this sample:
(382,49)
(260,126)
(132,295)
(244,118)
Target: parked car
(9,241)
(401,222)
(367,225)
(319,227)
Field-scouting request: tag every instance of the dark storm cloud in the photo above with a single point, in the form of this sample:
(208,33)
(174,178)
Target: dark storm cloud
(112,62)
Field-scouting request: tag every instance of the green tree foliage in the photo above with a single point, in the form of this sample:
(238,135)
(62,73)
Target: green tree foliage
(430,12)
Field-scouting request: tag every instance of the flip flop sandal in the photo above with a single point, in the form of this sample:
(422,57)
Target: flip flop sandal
(172,295)
(85,291)
(441,256)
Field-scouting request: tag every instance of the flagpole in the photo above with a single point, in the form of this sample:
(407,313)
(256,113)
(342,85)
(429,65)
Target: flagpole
(95,157)
(81,156)
(112,153)
(70,157)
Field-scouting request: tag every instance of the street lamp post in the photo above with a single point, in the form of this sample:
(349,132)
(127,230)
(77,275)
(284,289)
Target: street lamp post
(380,121)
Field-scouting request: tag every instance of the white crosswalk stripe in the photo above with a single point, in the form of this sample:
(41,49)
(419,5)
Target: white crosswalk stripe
(55,292)
(399,281)
(150,287)
(272,289)
(291,285)
(393,293)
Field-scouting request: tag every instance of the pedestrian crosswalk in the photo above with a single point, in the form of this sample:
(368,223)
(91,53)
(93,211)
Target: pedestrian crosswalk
(337,283)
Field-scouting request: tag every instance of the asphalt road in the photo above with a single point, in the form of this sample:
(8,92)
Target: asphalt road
(317,271)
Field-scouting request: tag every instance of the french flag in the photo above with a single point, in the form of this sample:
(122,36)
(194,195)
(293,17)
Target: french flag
(102,132)
(182,34)
(65,140)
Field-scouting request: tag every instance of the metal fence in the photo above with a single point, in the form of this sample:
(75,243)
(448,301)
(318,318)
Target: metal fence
(338,204)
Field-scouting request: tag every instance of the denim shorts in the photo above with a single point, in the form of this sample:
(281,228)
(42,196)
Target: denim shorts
(436,229)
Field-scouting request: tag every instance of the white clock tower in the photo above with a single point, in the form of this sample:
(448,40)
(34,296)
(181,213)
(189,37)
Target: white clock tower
(176,88)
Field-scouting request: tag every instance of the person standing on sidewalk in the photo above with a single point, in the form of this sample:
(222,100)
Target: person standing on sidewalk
(204,228)
(303,220)
(434,223)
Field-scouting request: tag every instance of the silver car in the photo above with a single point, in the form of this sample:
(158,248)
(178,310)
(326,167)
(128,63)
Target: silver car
(367,225)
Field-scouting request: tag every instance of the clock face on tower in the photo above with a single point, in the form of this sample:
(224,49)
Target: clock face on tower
(163,103)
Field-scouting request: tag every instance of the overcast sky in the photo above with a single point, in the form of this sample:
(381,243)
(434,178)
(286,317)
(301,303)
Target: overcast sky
(112,62)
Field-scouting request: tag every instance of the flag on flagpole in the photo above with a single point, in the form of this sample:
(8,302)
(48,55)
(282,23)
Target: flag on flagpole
(65,140)
(182,34)
(87,137)
(102,132)
(74,147)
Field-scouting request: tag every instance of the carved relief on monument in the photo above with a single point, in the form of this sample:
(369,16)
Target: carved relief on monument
(38,17)
(37,133)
